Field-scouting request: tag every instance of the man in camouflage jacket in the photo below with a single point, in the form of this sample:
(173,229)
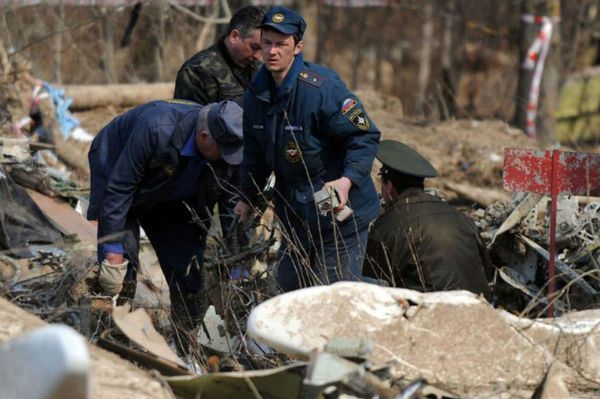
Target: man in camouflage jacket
(224,70)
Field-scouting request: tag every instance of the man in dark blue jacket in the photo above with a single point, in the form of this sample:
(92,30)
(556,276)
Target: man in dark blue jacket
(149,167)
(303,124)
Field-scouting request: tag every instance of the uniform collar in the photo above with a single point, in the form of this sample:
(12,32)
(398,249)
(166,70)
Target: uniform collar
(189,149)
(403,197)
(263,85)
(410,192)
(290,79)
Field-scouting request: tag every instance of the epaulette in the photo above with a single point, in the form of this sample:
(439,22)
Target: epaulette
(311,77)
(180,101)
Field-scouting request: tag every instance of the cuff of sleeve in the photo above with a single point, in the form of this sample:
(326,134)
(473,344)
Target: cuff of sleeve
(114,247)
(354,176)
(248,194)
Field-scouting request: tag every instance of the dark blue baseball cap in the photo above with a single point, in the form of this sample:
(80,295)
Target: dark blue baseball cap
(285,21)
(225,125)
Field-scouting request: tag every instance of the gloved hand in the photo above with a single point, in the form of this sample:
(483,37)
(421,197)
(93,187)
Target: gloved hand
(111,276)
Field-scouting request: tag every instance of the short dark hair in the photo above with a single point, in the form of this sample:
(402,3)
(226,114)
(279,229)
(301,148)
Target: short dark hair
(400,181)
(271,29)
(246,19)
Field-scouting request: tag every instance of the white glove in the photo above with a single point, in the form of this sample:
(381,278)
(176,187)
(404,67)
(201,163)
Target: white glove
(111,277)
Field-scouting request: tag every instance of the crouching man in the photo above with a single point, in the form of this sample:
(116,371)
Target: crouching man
(420,242)
(150,167)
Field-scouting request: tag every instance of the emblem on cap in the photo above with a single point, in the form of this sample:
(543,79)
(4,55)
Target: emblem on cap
(278,18)
(292,152)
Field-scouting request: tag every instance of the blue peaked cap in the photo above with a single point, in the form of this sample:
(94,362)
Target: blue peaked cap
(285,21)
(225,126)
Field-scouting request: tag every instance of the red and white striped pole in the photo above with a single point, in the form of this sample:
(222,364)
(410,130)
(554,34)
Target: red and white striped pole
(536,56)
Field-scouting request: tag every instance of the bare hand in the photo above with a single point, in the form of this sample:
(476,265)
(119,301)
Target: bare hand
(114,259)
(241,210)
(342,187)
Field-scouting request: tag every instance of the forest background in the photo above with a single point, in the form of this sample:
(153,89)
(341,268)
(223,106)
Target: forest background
(442,58)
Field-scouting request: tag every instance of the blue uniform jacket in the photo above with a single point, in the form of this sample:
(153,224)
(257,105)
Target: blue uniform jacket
(135,160)
(310,130)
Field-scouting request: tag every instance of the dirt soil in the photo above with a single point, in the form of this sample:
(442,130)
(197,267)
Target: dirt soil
(461,150)
(95,119)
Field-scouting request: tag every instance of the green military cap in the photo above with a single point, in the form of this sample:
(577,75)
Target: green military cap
(401,158)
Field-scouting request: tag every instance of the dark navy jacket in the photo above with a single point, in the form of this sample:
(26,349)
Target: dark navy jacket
(136,161)
(310,130)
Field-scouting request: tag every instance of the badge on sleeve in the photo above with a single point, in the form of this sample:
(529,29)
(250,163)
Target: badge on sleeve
(347,105)
(359,119)
(292,152)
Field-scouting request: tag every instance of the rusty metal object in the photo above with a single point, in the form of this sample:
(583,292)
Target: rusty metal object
(578,173)
(553,172)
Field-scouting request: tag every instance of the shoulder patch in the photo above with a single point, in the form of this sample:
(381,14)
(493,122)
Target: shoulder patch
(359,119)
(312,78)
(347,105)
(178,101)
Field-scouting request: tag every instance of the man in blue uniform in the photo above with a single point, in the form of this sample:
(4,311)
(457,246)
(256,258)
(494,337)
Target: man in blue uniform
(303,124)
(148,167)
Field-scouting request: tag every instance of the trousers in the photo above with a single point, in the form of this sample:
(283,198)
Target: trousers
(179,245)
(315,259)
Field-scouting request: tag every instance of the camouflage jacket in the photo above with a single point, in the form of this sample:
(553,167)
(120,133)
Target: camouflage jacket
(211,76)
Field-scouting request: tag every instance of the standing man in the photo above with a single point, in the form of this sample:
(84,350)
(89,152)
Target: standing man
(302,123)
(421,242)
(223,72)
(149,167)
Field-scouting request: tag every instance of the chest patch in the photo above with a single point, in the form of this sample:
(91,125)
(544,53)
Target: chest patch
(259,127)
(169,169)
(359,119)
(293,154)
(160,165)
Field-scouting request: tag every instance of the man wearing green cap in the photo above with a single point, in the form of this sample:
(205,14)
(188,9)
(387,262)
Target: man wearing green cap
(420,242)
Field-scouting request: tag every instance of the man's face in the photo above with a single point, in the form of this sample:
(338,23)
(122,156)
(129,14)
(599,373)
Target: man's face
(278,50)
(388,192)
(207,146)
(245,50)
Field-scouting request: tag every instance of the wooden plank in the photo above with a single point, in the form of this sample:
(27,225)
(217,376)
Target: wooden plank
(64,217)
(121,95)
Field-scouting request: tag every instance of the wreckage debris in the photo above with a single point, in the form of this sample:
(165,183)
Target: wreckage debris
(516,234)
(112,377)
(454,340)
(54,282)
(52,362)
